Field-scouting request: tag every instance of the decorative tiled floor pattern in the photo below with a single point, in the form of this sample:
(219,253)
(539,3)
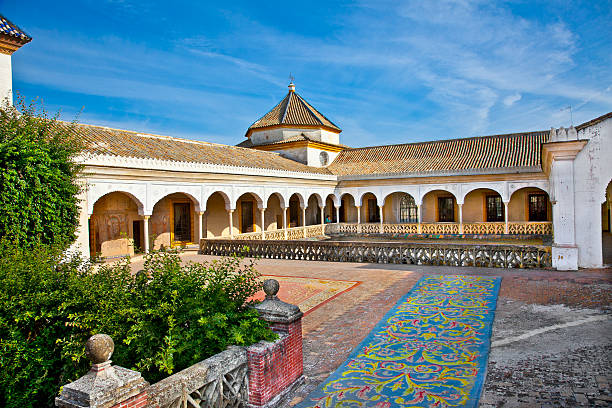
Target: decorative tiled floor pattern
(430,350)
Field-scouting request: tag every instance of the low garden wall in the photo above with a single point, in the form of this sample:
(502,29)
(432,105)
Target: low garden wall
(256,376)
(503,256)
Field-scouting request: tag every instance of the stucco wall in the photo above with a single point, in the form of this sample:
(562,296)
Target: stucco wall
(217,220)
(592,174)
(161,223)
(274,214)
(264,136)
(518,207)
(429,208)
(350,211)
(6,78)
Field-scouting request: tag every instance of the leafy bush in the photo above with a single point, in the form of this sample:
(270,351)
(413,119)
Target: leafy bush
(163,319)
(38,181)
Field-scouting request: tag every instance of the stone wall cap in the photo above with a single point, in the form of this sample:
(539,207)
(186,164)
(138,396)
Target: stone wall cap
(92,391)
(277,311)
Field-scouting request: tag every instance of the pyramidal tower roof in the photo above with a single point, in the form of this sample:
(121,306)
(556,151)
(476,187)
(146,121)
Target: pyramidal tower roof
(293,110)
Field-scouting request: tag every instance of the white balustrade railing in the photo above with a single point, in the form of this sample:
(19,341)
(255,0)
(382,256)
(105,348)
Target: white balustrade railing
(440,228)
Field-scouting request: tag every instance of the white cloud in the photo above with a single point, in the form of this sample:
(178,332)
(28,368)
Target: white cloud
(512,99)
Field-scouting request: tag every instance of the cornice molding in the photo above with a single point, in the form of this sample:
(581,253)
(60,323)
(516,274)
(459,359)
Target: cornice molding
(169,165)
(566,150)
(468,172)
(299,143)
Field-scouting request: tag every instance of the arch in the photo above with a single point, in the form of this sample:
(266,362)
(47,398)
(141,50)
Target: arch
(606,226)
(318,198)
(483,204)
(520,209)
(217,222)
(370,209)
(157,196)
(348,210)
(173,220)
(514,187)
(437,208)
(115,225)
(472,188)
(397,192)
(396,210)
(335,199)
(425,190)
(379,199)
(280,197)
(96,193)
(226,199)
(243,193)
(300,197)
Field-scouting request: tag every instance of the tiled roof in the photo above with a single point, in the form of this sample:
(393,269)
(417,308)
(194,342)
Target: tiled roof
(10,29)
(487,152)
(594,121)
(103,140)
(295,111)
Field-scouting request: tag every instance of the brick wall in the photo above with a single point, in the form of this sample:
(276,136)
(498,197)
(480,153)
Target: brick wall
(137,401)
(275,366)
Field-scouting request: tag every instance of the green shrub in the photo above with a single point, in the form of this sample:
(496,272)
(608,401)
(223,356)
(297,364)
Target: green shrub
(38,182)
(163,319)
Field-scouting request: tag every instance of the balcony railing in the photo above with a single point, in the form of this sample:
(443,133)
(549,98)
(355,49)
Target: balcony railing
(440,228)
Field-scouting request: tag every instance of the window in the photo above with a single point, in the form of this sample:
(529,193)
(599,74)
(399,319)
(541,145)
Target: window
(446,209)
(324,158)
(538,207)
(495,209)
(373,211)
(408,210)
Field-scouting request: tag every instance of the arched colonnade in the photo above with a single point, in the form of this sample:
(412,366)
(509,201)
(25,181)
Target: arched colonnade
(131,217)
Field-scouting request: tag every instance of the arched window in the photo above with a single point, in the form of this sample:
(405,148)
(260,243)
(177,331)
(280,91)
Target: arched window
(408,210)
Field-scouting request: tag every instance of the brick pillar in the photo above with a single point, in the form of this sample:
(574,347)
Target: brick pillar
(104,386)
(275,367)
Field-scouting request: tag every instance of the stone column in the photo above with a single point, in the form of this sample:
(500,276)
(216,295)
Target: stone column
(506,216)
(200,226)
(304,221)
(231,222)
(145,228)
(380,215)
(104,386)
(337,215)
(262,211)
(322,209)
(460,218)
(276,368)
(419,217)
(285,221)
(358,218)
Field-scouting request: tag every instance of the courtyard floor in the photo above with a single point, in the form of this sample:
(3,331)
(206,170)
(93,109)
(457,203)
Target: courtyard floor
(552,335)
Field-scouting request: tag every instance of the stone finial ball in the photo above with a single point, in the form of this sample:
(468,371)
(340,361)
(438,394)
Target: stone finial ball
(99,348)
(271,287)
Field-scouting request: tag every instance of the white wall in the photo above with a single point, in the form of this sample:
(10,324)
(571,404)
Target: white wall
(592,173)
(6,78)
(265,136)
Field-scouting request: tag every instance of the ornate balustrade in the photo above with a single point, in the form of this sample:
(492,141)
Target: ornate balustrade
(400,228)
(504,256)
(530,228)
(484,228)
(219,381)
(440,228)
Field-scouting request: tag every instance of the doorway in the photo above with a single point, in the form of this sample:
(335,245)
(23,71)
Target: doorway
(182,222)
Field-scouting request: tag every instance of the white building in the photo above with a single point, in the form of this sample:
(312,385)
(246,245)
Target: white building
(292,171)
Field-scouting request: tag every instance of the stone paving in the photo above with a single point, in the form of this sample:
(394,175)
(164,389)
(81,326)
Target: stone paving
(552,337)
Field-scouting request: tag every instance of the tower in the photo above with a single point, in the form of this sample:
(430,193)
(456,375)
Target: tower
(296,130)
(11,39)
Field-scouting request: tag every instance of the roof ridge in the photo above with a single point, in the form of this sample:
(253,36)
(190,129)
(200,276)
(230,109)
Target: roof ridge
(450,140)
(286,107)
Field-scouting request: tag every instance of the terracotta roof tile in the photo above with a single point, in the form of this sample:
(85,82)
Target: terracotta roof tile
(293,110)
(487,152)
(103,140)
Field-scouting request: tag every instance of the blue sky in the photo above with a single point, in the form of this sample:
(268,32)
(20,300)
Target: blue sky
(384,71)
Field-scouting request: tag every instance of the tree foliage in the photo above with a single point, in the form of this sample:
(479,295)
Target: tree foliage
(38,183)
(163,319)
